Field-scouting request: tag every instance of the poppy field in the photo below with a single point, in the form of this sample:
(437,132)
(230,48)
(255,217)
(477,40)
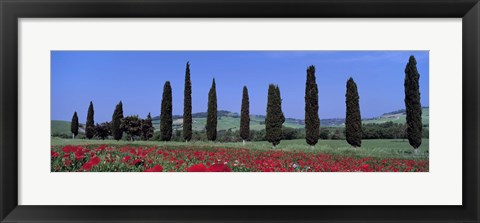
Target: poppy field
(221,158)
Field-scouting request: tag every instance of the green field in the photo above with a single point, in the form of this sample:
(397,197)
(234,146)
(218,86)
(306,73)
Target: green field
(226,123)
(399,118)
(63,127)
(60,127)
(381,148)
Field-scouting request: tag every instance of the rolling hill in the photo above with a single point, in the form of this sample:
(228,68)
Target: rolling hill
(231,120)
(63,127)
(398,117)
(226,120)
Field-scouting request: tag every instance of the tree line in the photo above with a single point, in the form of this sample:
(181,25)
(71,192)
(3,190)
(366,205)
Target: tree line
(387,130)
(132,126)
(353,133)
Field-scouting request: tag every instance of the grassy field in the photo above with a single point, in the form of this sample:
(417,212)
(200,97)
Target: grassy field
(59,127)
(63,127)
(381,148)
(399,118)
(225,123)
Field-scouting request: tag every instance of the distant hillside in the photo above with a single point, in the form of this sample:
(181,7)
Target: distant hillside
(63,127)
(231,121)
(399,116)
(220,113)
(226,121)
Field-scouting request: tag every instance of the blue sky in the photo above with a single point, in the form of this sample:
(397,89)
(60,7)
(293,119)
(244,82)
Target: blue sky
(137,78)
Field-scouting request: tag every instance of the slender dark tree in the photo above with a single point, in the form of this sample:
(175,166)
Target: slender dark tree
(166,120)
(353,120)
(279,98)
(274,118)
(312,121)
(187,106)
(103,130)
(211,125)
(132,125)
(74,125)
(117,117)
(90,124)
(412,104)
(147,128)
(245,116)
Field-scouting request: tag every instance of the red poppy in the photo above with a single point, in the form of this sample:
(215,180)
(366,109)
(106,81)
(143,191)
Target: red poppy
(365,168)
(66,149)
(126,159)
(79,155)
(95,160)
(219,168)
(137,162)
(197,168)
(54,154)
(156,168)
(87,166)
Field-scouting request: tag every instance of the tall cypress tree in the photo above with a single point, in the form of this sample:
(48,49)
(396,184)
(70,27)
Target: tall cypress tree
(117,117)
(412,104)
(312,121)
(187,106)
(279,99)
(166,120)
(74,125)
(353,120)
(245,116)
(90,124)
(274,118)
(211,125)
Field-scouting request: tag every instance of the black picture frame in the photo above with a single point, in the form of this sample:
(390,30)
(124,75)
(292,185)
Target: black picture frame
(12,10)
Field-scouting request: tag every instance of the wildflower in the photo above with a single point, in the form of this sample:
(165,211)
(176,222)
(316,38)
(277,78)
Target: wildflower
(197,168)
(87,166)
(126,158)
(95,161)
(219,168)
(156,168)
(54,154)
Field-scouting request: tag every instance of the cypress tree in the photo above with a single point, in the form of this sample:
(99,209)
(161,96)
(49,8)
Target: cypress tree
(274,118)
(74,125)
(211,125)
(279,99)
(147,128)
(117,117)
(353,120)
(245,116)
(90,124)
(312,121)
(166,120)
(412,104)
(187,106)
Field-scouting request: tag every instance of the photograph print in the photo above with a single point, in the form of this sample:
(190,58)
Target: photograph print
(239,111)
